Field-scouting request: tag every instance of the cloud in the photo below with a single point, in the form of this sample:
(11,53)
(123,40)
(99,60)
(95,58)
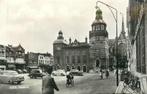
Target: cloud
(35,23)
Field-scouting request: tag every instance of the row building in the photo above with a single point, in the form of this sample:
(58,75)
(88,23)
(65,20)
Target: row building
(12,57)
(38,60)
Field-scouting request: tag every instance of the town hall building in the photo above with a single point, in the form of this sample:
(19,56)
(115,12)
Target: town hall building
(84,56)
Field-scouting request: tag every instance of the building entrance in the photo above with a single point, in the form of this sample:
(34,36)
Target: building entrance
(97,65)
(84,69)
(79,68)
(67,68)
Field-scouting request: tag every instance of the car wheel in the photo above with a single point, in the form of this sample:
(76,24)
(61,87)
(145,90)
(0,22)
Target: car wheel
(11,82)
(31,76)
(18,82)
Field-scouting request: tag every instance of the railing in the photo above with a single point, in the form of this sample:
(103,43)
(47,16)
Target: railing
(143,81)
(127,89)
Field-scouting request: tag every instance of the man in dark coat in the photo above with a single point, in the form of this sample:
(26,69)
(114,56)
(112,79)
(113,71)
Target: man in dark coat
(48,83)
(107,73)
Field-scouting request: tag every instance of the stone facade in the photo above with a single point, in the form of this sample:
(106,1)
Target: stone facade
(83,55)
(31,59)
(122,49)
(98,36)
(72,55)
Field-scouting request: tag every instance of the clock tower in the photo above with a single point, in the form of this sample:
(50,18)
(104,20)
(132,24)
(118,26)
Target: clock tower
(98,39)
(58,45)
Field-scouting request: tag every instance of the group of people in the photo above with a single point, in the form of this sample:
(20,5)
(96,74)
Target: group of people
(102,73)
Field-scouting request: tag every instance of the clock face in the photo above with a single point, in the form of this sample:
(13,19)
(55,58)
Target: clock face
(58,48)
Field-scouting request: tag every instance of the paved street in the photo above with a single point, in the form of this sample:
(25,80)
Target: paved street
(91,84)
(87,84)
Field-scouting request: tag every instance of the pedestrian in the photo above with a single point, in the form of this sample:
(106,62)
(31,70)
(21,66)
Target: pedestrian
(107,73)
(48,83)
(70,79)
(101,73)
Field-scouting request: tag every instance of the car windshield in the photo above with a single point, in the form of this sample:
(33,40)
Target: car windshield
(36,71)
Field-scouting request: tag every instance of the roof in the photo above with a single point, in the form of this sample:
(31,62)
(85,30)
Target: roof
(60,41)
(77,45)
(45,54)
(18,48)
(100,21)
(2,46)
(122,36)
(111,42)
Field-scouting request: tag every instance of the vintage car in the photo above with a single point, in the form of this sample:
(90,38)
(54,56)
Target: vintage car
(11,77)
(59,73)
(36,73)
(19,71)
(76,73)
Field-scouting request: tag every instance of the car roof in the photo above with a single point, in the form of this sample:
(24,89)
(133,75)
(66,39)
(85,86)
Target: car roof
(9,71)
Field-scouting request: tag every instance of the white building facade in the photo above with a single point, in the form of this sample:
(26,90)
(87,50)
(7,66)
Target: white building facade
(137,31)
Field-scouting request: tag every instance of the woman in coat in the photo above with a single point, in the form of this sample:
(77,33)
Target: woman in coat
(48,83)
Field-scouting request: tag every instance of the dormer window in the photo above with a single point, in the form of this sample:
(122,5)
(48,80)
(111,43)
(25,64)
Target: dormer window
(102,27)
(93,28)
(98,27)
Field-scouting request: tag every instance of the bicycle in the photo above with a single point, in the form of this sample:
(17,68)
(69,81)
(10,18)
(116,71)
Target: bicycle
(69,82)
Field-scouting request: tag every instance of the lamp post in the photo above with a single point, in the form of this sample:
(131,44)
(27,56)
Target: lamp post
(115,16)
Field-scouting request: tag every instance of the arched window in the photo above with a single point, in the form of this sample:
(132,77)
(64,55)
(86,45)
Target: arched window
(98,27)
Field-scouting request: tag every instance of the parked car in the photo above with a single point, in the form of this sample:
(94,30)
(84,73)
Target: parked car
(77,73)
(24,71)
(36,73)
(19,71)
(59,73)
(11,77)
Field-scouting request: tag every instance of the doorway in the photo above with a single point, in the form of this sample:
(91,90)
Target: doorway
(97,65)
(79,68)
(84,68)
(67,68)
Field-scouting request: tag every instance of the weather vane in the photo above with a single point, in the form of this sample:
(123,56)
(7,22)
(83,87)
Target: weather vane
(96,7)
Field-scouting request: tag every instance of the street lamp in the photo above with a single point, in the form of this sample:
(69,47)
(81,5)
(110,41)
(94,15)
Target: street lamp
(115,16)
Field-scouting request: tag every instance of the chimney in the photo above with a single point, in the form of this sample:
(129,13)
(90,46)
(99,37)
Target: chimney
(69,40)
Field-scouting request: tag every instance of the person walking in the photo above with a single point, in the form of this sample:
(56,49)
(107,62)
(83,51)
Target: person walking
(107,74)
(48,83)
(101,73)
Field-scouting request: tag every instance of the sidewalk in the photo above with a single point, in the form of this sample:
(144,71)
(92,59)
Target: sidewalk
(105,86)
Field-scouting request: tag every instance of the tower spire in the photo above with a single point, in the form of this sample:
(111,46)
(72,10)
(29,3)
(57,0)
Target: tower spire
(98,13)
(122,33)
(123,28)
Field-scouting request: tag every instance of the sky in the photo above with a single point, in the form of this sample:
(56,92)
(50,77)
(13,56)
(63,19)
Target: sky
(35,23)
